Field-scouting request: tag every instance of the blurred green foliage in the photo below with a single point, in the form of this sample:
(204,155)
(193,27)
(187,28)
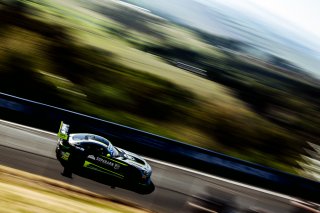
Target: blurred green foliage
(281,113)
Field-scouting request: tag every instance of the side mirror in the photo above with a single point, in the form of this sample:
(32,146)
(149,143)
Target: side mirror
(108,155)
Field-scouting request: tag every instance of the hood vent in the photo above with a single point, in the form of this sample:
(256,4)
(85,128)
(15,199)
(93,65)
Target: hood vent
(138,161)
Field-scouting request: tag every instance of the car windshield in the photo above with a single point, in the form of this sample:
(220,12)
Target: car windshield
(100,139)
(114,152)
(87,137)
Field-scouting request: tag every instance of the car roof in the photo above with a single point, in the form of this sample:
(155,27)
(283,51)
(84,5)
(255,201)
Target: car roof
(86,137)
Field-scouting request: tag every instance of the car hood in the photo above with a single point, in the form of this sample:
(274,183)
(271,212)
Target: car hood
(134,160)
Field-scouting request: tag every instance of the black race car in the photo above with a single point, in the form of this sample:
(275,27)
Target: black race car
(95,157)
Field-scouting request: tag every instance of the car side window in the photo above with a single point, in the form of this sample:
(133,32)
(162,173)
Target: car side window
(95,149)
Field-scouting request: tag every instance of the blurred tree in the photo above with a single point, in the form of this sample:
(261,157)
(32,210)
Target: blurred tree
(19,78)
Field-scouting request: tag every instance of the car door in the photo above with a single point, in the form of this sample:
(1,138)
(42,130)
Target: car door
(113,166)
(99,159)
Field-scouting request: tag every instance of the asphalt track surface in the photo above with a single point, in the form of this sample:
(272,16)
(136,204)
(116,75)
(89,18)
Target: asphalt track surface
(177,189)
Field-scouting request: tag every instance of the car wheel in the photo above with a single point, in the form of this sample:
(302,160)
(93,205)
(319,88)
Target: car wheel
(67,172)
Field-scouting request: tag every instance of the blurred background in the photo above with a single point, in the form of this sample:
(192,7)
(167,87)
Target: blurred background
(237,78)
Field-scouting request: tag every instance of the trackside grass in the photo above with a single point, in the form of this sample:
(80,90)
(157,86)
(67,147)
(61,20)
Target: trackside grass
(25,192)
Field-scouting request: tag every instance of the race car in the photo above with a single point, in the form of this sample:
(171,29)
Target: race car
(95,157)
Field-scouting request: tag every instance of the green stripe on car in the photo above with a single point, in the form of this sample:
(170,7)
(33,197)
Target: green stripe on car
(93,166)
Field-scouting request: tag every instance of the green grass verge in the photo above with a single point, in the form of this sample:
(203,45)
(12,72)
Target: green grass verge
(25,192)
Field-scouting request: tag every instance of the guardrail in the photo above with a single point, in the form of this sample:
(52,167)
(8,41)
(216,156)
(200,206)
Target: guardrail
(48,117)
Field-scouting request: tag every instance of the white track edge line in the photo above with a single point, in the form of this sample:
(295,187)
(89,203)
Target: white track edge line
(200,207)
(26,127)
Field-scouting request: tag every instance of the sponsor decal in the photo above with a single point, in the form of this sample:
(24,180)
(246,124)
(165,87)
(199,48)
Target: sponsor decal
(106,162)
(92,166)
(91,157)
(65,155)
(116,166)
(79,148)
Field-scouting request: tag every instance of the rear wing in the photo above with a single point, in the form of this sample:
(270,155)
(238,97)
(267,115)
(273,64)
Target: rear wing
(63,131)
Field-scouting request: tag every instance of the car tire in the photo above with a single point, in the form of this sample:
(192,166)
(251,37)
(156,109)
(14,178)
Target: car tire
(67,172)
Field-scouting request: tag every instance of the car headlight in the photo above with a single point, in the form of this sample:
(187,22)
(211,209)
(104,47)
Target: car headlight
(146,172)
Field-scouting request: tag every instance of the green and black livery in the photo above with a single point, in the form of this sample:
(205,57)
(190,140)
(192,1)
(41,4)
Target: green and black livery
(95,157)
